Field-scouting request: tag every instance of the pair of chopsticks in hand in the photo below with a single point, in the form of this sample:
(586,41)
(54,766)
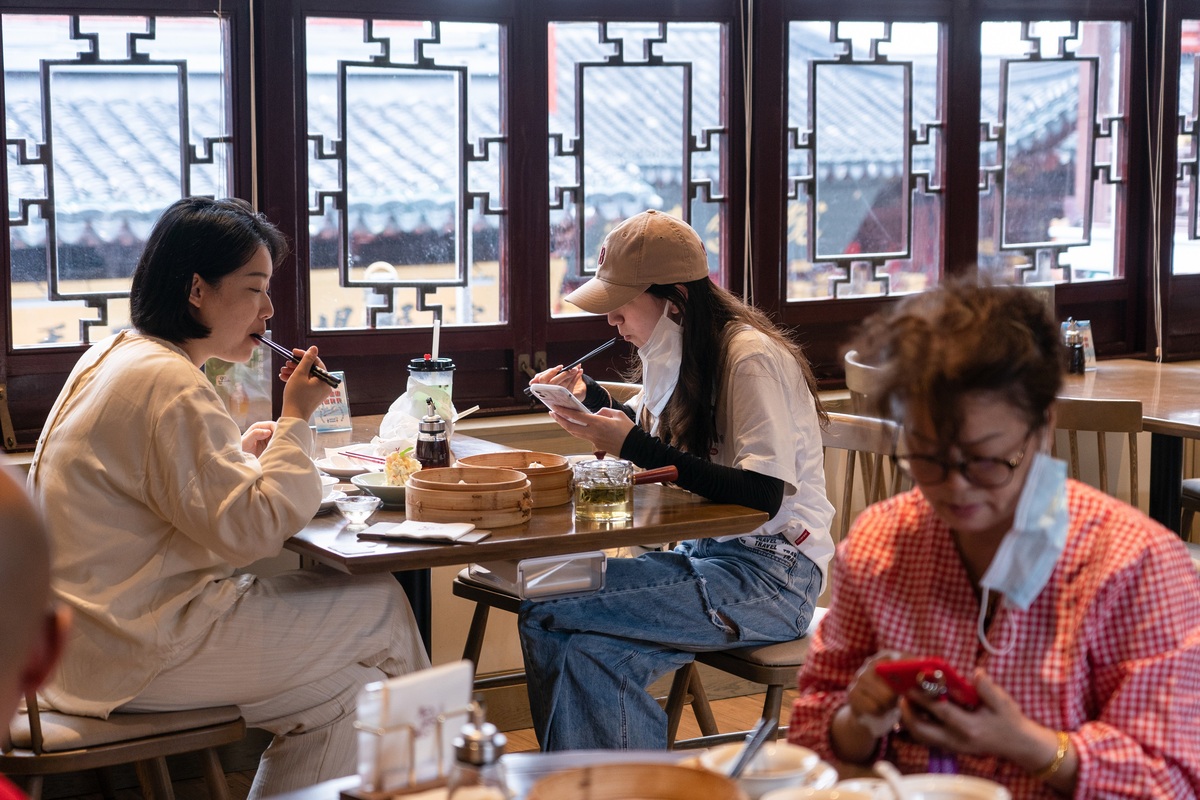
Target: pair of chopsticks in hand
(581,359)
(316,371)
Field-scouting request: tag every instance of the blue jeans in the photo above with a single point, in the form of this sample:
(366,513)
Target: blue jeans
(589,659)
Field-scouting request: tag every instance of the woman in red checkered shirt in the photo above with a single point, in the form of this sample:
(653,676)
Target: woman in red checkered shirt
(1076,617)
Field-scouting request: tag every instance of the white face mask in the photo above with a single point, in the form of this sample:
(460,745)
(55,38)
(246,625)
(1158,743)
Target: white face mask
(661,356)
(1026,557)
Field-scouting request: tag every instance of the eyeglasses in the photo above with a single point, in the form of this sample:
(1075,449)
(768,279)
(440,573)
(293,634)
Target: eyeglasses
(987,473)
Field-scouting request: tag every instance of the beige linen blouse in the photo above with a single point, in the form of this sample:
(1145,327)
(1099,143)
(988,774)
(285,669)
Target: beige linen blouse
(151,506)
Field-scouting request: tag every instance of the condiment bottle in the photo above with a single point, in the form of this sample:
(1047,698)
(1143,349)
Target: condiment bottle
(1074,340)
(477,749)
(432,449)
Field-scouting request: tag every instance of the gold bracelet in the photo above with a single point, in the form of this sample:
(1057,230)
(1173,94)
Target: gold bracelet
(1064,744)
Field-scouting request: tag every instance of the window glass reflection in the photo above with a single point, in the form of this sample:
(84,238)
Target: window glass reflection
(109,120)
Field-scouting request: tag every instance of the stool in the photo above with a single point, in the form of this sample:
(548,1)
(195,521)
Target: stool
(775,665)
(686,688)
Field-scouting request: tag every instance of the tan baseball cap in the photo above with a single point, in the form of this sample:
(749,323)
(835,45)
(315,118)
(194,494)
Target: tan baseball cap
(648,248)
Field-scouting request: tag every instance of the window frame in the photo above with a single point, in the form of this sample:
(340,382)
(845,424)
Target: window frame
(489,357)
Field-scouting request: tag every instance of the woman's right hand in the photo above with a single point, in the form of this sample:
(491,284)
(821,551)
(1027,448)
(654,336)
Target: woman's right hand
(871,709)
(870,695)
(570,378)
(304,391)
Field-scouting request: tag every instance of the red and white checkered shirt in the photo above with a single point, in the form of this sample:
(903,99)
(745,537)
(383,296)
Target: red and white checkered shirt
(1109,651)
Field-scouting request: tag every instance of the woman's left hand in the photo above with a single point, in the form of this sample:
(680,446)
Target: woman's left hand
(997,727)
(606,429)
(257,437)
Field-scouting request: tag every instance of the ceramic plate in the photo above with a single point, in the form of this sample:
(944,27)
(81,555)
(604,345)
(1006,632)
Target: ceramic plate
(329,499)
(327,466)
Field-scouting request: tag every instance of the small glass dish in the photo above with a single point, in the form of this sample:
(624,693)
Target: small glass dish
(358,508)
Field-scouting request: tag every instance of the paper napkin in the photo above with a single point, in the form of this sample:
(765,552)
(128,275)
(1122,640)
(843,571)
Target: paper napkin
(413,530)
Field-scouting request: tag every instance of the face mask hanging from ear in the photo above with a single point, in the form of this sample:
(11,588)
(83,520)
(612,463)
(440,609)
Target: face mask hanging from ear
(661,356)
(1027,554)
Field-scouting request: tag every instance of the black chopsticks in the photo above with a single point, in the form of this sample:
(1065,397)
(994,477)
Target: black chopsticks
(581,359)
(316,371)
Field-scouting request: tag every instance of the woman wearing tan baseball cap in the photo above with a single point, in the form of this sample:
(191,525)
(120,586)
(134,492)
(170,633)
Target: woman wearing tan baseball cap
(730,402)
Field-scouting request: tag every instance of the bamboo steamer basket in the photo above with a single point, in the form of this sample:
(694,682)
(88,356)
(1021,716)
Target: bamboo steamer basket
(635,782)
(551,482)
(467,479)
(488,498)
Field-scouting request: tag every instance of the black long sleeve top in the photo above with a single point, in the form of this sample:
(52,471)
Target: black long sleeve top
(718,483)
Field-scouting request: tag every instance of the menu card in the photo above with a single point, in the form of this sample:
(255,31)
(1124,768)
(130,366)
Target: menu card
(414,530)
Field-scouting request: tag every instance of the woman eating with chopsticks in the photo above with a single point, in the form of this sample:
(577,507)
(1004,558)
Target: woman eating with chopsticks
(154,500)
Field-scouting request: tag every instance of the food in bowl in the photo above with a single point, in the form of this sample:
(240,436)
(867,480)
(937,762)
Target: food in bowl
(376,483)
(776,766)
(812,793)
(399,465)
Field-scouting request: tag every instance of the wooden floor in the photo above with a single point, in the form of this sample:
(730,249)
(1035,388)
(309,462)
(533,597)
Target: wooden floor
(735,713)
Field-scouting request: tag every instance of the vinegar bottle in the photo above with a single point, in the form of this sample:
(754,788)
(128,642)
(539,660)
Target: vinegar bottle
(432,449)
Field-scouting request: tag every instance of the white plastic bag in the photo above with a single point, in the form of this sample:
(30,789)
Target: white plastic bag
(402,418)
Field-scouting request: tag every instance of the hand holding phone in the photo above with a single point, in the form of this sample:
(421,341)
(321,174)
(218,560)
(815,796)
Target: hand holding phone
(932,675)
(555,396)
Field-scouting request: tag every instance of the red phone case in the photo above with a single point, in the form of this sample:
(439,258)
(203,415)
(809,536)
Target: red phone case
(933,675)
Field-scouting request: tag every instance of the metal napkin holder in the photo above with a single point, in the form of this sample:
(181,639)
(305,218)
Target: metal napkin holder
(412,786)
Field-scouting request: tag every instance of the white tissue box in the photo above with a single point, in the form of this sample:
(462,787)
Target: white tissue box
(548,576)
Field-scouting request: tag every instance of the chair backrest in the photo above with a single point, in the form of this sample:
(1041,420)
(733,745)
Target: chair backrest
(621,392)
(869,445)
(1101,417)
(860,381)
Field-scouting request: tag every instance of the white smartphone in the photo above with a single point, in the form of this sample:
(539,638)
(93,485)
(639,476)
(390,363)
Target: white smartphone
(555,396)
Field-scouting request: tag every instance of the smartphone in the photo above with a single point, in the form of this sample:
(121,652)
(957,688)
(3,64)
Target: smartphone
(931,674)
(555,396)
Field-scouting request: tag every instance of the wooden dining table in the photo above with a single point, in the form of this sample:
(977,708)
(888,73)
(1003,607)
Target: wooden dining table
(1170,398)
(660,514)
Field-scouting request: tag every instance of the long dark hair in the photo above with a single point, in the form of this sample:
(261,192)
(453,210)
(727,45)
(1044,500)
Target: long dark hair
(194,236)
(711,317)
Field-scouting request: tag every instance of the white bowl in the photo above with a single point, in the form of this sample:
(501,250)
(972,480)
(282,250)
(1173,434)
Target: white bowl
(953,787)
(329,499)
(930,786)
(776,766)
(376,483)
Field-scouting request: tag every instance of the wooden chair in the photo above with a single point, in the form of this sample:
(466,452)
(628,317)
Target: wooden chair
(1194,552)
(685,687)
(621,392)
(1102,417)
(860,381)
(53,743)
(1189,502)
(868,443)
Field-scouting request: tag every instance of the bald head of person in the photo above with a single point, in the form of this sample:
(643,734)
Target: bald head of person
(31,631)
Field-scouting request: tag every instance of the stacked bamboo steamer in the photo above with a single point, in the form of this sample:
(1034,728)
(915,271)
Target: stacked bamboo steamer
(549,477)
(635,781)
(484,496)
